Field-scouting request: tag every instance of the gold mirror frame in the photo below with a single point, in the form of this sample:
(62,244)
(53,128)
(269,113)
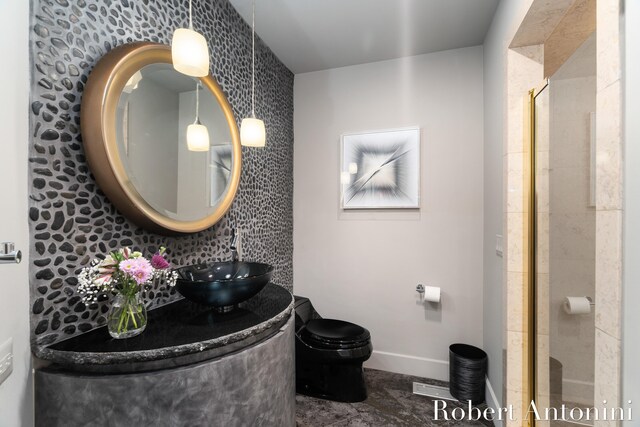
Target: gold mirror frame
(98,128)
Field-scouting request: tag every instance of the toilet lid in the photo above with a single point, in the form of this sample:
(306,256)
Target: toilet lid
(335,333)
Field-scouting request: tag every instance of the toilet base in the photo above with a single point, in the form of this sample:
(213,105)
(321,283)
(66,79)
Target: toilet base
(343,382)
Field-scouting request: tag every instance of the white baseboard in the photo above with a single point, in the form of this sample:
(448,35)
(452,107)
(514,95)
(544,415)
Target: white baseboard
(409,365)
(492,402)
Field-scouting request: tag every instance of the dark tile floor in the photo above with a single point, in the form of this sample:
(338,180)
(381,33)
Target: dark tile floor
(390,403)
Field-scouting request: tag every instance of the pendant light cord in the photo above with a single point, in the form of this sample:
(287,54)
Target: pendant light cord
(253,60)
(197,122)
(190,15)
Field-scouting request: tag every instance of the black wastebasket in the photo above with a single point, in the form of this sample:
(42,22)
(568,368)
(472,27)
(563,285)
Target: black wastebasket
(467,371)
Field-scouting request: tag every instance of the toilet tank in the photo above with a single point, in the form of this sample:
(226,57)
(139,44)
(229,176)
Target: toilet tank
(304,311)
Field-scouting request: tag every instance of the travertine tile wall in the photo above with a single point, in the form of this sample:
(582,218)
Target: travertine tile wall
(609,193)
(543,309)
(524,66)
(522,75)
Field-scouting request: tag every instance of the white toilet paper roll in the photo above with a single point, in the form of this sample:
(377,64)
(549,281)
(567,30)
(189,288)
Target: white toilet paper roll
(577,305)
(432,294)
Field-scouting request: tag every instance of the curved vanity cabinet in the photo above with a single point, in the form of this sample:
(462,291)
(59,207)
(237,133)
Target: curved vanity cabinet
(191,366)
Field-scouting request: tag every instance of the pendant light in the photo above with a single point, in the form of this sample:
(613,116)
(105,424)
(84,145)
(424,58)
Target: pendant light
(252,133)
(189,50)
(197,133)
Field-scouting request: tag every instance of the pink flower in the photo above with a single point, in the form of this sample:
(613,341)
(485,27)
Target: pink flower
(127,266)
(103,280)
(142,270)
(138,268)
(141,276)
(126,252)
(158,262)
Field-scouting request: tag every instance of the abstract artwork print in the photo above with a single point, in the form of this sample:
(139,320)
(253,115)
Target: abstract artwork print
(381,169)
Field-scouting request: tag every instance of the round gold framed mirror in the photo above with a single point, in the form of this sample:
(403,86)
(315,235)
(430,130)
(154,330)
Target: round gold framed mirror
(164,147)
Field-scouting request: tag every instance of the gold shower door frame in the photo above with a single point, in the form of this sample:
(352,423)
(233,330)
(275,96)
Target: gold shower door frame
(530,294)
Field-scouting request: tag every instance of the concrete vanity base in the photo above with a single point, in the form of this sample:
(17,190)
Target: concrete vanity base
(255,386)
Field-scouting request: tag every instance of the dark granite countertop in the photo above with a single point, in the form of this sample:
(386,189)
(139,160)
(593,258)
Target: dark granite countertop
(177,334)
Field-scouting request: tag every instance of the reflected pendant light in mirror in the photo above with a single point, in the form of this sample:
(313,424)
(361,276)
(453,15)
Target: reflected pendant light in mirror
(189,50)
(252,133)
(197,133)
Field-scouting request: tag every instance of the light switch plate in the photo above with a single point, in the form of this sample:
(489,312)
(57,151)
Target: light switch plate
(499,248)
(6,359)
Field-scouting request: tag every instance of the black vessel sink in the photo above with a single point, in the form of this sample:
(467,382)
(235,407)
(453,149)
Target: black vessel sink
(222,285)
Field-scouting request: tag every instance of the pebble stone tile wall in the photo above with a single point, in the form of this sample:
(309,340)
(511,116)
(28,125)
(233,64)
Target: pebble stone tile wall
(71,220)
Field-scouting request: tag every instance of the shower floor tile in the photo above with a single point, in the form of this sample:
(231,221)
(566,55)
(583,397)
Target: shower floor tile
(391,402)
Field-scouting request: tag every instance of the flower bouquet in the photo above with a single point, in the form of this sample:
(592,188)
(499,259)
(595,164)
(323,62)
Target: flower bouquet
(124,273)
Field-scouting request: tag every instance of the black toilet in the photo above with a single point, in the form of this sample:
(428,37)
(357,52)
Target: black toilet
(329,355)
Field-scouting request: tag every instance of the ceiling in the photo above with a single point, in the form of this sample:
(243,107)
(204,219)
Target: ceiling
(311,35)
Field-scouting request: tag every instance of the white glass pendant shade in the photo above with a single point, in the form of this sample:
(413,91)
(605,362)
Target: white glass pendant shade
(132,83)
(190,53)
(197,137)
(252,132)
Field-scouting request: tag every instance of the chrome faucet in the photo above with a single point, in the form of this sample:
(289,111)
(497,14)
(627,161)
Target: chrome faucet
(234,245)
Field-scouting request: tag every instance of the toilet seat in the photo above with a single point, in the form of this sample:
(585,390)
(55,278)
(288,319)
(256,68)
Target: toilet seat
(334,334)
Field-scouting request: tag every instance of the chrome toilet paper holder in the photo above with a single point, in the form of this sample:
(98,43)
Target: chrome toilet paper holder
(9,254)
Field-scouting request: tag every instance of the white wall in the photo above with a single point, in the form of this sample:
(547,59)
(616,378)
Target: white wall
(153,132)
(194,172)
(631,290)
(16,401)
(364,266)
(505,23)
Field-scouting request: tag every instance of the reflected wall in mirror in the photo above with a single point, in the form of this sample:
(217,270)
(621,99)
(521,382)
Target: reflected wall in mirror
(135,115)
(154,111)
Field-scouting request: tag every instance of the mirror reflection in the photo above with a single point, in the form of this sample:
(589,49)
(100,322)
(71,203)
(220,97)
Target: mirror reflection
(174,142)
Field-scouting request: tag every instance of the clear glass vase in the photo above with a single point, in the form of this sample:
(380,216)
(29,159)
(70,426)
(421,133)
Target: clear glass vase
(127,316)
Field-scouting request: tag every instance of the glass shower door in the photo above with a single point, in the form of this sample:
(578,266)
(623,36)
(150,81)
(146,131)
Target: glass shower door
(564,136)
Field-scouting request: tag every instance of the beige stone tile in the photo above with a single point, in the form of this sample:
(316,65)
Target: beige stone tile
(542,182)
(572,236)
(515,302)
(609,271)
(516,357)
(609,148)
(523,75)
(515,182)
(574,28)
(606,423)
(515,142)
(608,42)
(543,423)
(574,277)
(516,242)
(515,400)
(541,18)
(542,369)
(534,52)
(543,309)
(607,372)
(543,121)
(542,171)
(567,157)
(542,243)
(570,189)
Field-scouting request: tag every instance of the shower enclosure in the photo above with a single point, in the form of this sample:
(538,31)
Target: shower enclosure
(562,250)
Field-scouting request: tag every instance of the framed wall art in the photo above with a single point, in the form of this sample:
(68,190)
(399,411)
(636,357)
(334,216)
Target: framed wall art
(381,169)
